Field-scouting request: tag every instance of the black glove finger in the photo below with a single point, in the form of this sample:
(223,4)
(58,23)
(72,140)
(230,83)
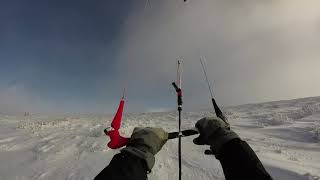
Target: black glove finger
(199,125)
(199,141)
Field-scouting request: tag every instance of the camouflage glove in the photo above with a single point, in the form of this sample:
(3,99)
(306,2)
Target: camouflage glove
(214,132)
(145,143)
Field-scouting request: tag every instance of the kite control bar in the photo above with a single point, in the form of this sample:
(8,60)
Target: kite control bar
(117,141)
(188,132)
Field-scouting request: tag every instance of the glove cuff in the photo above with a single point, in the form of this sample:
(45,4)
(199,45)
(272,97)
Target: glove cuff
(219,139)
(142,154)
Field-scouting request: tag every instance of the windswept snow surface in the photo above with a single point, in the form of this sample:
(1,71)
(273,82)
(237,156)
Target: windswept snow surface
(285,135)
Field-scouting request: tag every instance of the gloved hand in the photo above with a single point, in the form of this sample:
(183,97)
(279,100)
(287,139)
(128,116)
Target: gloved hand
(214,132)
(145,143)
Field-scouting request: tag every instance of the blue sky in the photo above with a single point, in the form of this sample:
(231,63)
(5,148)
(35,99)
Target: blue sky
(77,56)
(60,50)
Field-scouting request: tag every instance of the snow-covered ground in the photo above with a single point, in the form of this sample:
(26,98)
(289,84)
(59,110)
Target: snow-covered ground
(285,135)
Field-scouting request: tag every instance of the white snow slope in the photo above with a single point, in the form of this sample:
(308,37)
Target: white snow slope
(285,135)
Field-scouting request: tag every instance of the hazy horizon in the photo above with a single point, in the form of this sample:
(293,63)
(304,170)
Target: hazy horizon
(77,56)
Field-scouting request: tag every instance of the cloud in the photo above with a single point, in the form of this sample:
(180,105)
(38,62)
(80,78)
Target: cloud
(256,50)
(15,99)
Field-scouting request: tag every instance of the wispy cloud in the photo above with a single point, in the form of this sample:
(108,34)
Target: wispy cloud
(16,99)
(256,50)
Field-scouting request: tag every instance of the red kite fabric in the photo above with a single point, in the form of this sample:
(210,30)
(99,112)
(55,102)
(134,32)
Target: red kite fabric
(116,140)
(116,122)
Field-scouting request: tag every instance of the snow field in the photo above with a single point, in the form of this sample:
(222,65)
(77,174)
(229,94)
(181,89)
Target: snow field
(284,134)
